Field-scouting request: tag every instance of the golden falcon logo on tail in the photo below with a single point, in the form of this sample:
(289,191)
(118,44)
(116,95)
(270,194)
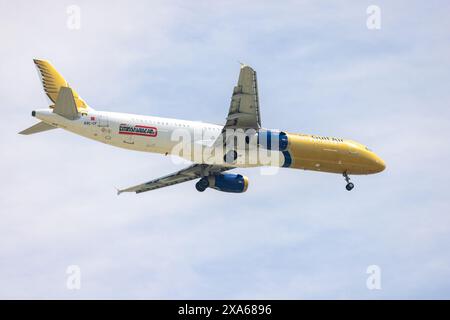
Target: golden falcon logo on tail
(52,81)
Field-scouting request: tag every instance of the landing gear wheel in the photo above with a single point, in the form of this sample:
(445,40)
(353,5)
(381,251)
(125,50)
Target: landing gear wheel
(349,185)
(202,184)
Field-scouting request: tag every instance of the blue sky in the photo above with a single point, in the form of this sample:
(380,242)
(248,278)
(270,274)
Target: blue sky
(294,235)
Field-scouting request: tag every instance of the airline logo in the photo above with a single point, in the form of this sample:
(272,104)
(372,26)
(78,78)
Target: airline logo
(138,130)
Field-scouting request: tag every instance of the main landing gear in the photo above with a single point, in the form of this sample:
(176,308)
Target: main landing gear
(349,185)
(202,184)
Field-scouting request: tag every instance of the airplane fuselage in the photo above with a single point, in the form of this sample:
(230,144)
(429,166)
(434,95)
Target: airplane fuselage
(158,135)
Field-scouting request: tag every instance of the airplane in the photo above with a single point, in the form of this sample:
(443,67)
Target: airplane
(224,151)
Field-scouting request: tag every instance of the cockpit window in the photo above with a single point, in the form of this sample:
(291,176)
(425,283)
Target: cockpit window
(368,149)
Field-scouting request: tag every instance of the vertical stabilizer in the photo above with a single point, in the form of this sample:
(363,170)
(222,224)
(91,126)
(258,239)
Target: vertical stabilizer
(53,81)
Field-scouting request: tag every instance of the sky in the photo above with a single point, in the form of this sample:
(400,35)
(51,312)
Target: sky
(292,235)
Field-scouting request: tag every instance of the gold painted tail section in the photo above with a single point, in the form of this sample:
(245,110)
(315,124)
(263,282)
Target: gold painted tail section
(52,81)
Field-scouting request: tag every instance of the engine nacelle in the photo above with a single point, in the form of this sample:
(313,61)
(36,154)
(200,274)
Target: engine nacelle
(228,182)
(272,140)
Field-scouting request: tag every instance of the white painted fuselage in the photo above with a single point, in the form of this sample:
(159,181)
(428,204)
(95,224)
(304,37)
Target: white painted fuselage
(156,135)
(105,127)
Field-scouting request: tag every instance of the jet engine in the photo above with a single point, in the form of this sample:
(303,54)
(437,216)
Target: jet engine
(226,182)
(272,140)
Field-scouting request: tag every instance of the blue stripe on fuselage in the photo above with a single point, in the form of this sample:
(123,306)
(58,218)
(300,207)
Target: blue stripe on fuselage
(287,159)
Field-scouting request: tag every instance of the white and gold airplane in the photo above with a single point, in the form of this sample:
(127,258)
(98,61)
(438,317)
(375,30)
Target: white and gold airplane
(212,148)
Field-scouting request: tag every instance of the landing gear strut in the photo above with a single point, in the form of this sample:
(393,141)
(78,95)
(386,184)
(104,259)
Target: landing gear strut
(349,185)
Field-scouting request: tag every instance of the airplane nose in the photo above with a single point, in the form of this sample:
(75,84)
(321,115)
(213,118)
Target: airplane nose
(380,165)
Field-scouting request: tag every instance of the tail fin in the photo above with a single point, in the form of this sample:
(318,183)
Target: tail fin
(52,81)
(38,127)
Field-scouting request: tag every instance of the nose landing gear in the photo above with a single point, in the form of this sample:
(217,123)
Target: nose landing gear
(349,185)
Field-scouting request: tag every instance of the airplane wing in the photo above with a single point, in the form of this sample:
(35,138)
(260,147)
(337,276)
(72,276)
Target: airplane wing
(244,107)
(190,173)
(244,112)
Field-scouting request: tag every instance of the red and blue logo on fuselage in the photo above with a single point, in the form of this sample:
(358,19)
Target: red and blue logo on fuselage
(138,130)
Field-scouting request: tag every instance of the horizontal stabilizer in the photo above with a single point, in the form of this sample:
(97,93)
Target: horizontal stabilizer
(65,104)
(39,127)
